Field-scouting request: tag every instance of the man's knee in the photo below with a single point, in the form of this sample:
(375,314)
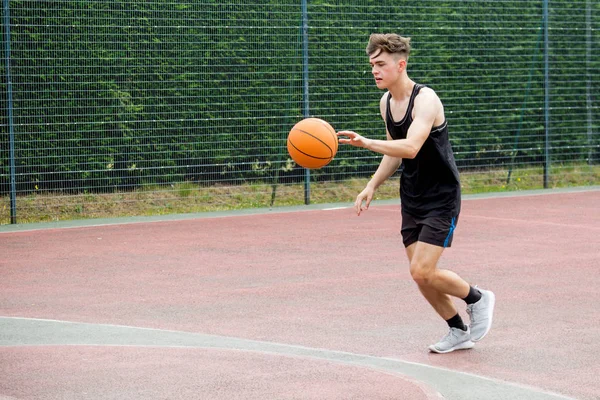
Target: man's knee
(421,273)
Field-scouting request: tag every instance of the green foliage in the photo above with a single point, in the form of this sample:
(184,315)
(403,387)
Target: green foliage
(118,95)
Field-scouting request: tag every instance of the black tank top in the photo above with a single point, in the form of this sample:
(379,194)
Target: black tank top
(429,183)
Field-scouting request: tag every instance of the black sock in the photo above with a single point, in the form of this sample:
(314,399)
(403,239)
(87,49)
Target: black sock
(456,322)
(473,296)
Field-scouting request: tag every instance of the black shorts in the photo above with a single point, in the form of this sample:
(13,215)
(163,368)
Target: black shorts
(437,231)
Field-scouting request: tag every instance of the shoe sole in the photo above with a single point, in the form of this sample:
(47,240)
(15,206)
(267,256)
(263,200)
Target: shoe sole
(490,316)
(461,346)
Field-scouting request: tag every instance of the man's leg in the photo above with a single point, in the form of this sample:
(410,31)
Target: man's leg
(441,302)
(423,259)
(424,271)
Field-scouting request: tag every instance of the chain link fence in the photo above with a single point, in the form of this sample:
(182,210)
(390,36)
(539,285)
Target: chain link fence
(149,107)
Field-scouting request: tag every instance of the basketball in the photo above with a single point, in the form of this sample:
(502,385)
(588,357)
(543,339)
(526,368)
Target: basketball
(312,143)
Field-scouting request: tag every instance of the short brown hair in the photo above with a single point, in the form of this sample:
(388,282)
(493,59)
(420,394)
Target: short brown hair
(390,43)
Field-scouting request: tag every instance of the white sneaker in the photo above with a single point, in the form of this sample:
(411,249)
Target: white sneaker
(481,314)
(456,339)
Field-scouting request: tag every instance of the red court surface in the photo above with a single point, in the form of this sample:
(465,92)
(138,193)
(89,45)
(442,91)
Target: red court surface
(314,304)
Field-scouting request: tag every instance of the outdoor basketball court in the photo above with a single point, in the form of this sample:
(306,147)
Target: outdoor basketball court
(307,303)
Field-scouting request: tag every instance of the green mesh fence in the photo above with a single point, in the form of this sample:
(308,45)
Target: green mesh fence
(146,107)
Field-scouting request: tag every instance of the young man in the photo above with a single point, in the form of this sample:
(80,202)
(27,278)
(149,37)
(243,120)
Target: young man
(417,138)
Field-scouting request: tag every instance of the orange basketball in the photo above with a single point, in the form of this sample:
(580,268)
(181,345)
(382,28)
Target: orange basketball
(312,143)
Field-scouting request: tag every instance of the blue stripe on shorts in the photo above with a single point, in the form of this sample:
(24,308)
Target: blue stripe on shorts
(452,227)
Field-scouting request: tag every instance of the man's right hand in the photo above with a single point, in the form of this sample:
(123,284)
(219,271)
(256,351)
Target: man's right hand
(366,195)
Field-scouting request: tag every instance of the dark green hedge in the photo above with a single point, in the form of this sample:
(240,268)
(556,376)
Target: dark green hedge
(119,94)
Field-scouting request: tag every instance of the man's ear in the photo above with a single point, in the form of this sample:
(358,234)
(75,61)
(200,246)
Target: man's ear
(401,65)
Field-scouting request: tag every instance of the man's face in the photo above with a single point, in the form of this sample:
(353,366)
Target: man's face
(385,68)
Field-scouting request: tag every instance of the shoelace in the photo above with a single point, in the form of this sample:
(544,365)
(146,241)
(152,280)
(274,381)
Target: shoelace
(470,310)
(474,313)
(451,333)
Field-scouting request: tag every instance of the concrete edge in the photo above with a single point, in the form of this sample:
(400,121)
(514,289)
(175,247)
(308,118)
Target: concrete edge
(7,228)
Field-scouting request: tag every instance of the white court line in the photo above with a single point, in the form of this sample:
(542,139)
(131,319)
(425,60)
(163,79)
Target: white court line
(532,221)
(20,331)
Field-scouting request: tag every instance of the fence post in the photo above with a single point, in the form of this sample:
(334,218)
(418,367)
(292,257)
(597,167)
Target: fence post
(588,86)
(546,97)
(11,130)
(305,102)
